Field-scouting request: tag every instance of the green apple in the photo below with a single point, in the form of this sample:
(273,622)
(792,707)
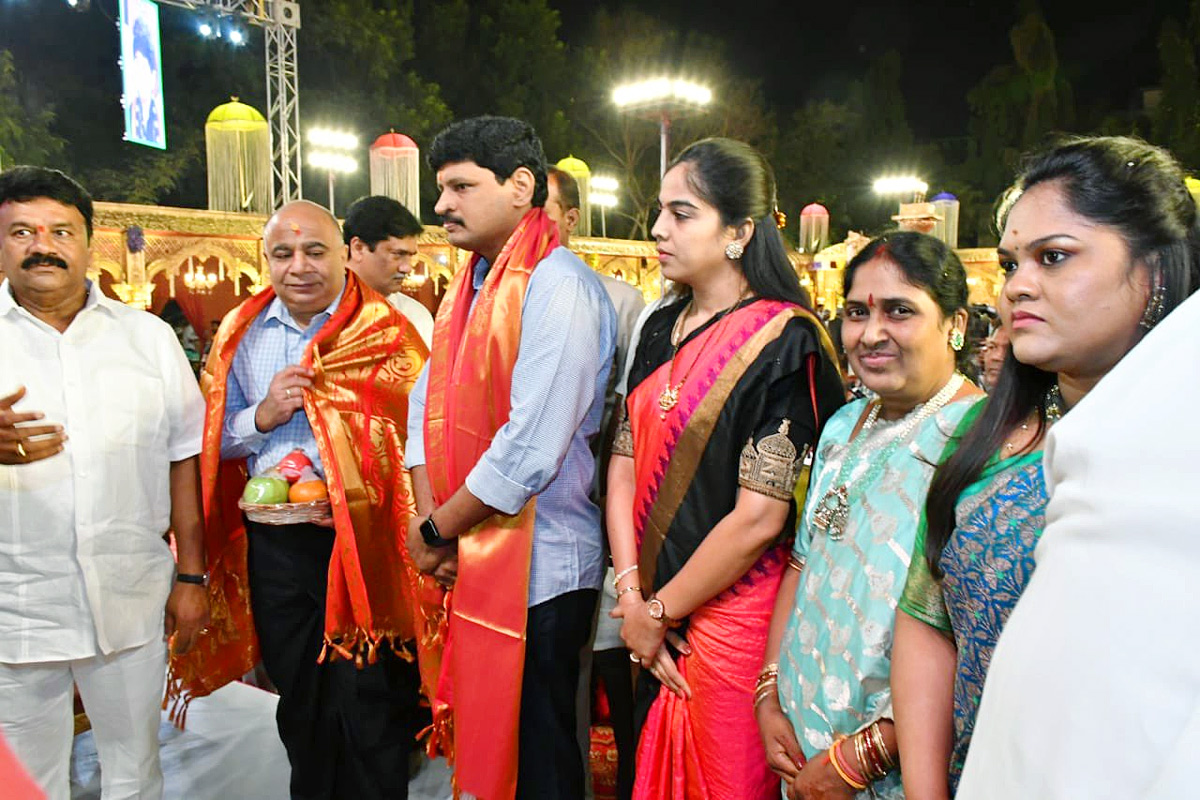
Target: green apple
(266,490)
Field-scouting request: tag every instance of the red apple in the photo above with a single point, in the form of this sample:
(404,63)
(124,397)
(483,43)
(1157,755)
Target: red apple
(292,465)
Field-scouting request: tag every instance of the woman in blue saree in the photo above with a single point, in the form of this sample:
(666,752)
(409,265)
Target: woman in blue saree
(1099,243)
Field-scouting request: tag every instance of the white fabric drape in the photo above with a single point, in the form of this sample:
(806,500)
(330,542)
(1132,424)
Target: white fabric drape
(1094,690)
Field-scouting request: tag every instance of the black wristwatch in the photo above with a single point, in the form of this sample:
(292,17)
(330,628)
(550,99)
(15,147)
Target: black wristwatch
(429,532)
(198,580)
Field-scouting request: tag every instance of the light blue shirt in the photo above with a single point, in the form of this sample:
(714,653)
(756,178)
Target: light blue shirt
(274,341)
(568,336)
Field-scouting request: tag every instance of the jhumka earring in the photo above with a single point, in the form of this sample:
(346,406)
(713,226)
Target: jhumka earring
(957,340)
(734,250)
(1154,306)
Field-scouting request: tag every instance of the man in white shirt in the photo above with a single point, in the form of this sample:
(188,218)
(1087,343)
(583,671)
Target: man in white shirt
(98,458)
(381,235)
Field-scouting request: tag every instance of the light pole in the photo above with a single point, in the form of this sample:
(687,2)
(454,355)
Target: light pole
(662,99)
(332,154)
(603,195)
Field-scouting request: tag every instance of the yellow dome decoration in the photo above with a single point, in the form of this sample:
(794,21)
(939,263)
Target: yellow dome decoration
(236,115)
(238,142)
(577,168)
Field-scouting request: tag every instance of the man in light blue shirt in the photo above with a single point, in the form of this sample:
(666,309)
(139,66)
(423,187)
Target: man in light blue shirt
(492,172)
(348,730)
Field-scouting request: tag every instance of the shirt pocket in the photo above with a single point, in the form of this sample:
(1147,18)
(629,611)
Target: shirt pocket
(132,410)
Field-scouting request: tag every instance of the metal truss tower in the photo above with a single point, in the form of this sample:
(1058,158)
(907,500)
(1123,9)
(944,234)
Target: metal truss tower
(280,20)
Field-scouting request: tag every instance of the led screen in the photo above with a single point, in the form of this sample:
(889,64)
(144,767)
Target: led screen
(141,73)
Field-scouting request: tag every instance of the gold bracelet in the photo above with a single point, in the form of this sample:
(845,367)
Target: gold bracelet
(634,588)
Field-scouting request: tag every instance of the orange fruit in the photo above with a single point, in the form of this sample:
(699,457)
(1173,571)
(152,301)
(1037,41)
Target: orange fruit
(307,492)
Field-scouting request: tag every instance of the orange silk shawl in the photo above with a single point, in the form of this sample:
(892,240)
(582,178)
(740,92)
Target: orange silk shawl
(473,660)
(365,360)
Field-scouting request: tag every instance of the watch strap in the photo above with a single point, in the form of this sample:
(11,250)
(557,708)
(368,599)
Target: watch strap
(192,578)
(431,535)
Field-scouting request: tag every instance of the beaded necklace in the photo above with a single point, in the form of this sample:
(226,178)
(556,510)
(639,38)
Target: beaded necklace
(833,511)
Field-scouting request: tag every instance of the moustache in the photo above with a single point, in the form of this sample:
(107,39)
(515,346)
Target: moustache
(455,220)
(42,259)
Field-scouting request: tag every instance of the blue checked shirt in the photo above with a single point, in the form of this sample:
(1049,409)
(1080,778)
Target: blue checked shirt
(568,335)
(274,341)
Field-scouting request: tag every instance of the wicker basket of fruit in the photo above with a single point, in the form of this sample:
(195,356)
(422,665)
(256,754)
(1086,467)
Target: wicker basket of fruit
(290,493)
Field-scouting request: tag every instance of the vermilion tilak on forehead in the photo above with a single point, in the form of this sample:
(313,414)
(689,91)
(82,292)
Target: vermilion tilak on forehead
(295,228)
(41,228)
(870,301)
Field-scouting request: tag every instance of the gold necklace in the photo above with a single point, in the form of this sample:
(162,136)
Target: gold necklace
(669,398)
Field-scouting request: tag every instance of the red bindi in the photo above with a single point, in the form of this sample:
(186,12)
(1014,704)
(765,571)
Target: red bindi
(870,301)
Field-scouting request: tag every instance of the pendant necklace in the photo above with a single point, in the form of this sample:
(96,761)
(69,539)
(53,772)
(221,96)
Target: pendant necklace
(833,511)
(669,398)
(1053,404)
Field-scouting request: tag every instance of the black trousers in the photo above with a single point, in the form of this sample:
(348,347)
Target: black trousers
(348,731)
(550,766)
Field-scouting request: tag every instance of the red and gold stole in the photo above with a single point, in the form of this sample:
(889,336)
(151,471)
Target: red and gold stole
(668,446)
(472,659)
(365,360)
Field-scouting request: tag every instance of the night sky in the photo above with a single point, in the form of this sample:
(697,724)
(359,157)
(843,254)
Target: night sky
(802,51)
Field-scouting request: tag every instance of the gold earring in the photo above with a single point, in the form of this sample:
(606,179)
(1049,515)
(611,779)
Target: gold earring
(1154,307)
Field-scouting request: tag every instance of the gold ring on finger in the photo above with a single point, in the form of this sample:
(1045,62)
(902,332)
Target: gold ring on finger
(21,450)
(288,393)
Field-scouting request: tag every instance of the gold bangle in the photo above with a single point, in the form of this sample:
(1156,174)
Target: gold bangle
(762,684)
(869,770)
(869,758)
(634,588)
(795,563)
(877,738)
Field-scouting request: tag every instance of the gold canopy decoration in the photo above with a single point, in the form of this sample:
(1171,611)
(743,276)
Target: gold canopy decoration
(238,140)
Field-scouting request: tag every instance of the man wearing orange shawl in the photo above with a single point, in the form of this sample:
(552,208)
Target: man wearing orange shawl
(499,429)
(322,363)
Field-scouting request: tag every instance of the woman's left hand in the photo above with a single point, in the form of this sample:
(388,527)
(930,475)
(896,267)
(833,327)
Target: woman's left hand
(642,634)
(818,780)
(664,669)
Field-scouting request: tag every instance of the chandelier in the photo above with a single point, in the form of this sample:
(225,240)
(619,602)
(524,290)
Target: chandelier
(197,280)
(414,280)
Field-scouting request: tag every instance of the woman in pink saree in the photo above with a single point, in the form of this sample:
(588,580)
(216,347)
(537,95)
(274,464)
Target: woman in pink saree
(728,388)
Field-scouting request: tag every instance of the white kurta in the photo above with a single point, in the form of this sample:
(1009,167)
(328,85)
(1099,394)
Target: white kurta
(84,569)
(416,313)
(1094,689)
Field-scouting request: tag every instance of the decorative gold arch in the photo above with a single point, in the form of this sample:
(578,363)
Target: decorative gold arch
(172,235)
